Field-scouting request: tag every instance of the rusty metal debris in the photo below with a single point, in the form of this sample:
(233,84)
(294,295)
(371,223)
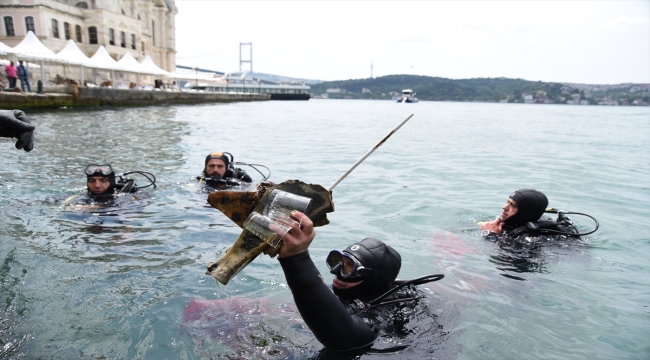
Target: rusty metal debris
(237,205)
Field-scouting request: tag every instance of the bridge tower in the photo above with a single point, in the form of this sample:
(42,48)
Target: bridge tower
(242,46)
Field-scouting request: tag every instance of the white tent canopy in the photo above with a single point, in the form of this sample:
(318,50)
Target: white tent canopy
(150,67)
(102,60)
(72,55)
(5,49)
(129,62)
(33,48)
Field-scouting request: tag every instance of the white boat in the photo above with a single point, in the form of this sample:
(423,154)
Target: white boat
(408,96)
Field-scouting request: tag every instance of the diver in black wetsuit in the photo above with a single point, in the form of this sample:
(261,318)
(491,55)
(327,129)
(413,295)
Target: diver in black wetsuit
(522,219)
(219,172)
(351,315)
(104,187)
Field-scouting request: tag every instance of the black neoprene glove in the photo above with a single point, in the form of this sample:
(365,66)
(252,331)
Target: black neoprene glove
(14,124)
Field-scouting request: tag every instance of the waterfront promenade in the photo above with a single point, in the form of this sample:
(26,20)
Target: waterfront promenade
(97,97)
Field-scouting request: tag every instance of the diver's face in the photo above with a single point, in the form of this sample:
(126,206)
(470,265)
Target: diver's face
(215,167)
(348,266)
(509,210)
(98,184)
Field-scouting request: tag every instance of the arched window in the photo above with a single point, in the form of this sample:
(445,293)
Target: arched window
(66,30)
(55,28)
(9,26)
(82,5)
(92,35)
(77,30)
(29,24)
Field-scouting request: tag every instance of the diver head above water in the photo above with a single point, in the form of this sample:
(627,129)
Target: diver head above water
(529,206)
(100,179)
(216,165)
(523,205)
(219,171)
(364,270)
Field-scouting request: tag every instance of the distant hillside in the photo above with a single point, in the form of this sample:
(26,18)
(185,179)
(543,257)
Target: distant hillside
(485,90)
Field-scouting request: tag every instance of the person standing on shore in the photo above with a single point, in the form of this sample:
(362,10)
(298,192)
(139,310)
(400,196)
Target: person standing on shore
(11,74)
(23,74)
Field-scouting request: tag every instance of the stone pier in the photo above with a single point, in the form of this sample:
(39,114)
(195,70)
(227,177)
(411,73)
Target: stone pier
(97,97)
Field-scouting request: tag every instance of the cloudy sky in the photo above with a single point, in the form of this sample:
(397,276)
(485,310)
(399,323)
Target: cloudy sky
(595,42)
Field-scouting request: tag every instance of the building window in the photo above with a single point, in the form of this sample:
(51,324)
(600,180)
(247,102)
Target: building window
(66,30)
(122,39)
(55,28)
(77,30)
(29,24)
(82,5)
(153,33)
(92,35)
(111,36)
(9,26)
(143,48)
(133,41)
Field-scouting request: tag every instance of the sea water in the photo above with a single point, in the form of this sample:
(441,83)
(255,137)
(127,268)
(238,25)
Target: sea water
(129,282)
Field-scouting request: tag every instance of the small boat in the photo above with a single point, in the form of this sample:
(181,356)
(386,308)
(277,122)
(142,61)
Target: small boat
(408,96)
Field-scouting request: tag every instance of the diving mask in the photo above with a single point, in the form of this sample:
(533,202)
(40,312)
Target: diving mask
(344,265)
(94,169)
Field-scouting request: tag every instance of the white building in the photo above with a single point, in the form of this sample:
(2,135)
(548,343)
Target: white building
(334,90)
(528,98)
(141,27)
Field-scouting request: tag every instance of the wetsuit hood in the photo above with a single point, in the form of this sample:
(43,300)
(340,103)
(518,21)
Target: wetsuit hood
(530,206)
(382,264)
(216,155)
(111,188)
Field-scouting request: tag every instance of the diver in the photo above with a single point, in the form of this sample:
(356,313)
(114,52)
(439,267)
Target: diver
(104,185)
(365,301)
(521,219)
(14,124)
(219,172)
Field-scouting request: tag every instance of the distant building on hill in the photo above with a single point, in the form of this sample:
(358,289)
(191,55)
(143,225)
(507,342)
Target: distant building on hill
(142,27)
(335,90)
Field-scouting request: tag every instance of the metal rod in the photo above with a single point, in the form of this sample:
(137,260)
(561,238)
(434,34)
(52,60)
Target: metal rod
(368,153)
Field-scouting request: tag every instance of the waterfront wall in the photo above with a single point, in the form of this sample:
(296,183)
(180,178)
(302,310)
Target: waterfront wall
(96,97)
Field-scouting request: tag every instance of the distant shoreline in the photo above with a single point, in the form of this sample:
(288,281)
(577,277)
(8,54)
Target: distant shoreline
(489,90)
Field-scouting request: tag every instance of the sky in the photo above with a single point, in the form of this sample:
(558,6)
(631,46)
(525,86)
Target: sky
(592,42)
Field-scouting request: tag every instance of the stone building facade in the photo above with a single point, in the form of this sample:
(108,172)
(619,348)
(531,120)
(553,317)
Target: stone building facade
(142,27)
